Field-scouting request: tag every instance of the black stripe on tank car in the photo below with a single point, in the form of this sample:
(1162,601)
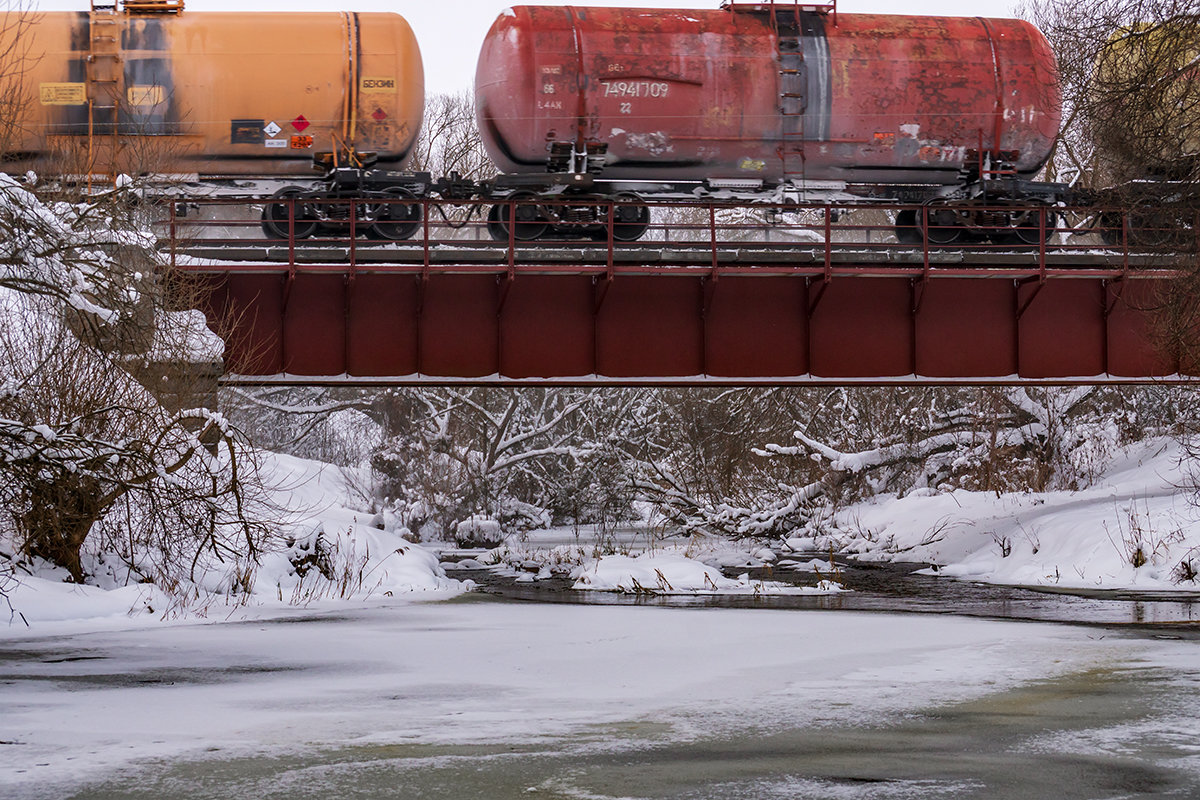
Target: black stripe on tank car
(71,120)
(147,80)
(144,33)
(357,79)
(81,33)
(815,45)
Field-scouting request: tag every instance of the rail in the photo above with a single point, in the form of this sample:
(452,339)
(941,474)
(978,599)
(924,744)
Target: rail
(228,234)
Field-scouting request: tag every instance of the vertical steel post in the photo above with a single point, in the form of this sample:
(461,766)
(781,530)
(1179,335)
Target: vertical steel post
(291,233)
(611,234)
(828,243)
(353,233)
(1042,236)
(712,233)
(924,230)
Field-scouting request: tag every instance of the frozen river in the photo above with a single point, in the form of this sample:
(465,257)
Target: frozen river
(484,698)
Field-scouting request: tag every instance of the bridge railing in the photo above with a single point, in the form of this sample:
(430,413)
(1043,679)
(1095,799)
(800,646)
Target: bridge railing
(598,236)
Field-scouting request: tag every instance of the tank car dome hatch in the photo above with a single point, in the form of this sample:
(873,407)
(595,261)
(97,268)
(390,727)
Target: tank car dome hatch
(216,94)
(702,94)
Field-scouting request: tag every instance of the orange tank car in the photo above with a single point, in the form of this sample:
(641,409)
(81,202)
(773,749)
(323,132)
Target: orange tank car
(149,89)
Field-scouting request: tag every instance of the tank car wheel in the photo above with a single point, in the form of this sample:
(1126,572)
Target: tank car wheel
(1140,228)
(495,227)
(396,221)
(528,224)
(1025,231)
(275,216)
(1110,226)
(1153,228)
(940,225)
(630,222)
(907,231)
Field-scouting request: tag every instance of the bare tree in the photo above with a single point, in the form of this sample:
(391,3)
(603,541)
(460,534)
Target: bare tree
(15,62)
(1128,73)
(91,462)
(450,140)
(450,146)
(502,455)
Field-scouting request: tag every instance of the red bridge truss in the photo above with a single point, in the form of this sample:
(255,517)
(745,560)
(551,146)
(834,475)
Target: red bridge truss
(712,293)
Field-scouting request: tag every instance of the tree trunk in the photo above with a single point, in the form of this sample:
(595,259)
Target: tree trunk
(61,513)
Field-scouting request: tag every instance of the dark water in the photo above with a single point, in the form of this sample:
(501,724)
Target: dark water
(890,587)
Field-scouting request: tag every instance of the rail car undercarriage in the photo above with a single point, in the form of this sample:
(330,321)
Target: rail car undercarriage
(576,206)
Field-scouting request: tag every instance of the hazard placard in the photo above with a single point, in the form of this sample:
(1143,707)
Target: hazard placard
(63,94)
(145,95)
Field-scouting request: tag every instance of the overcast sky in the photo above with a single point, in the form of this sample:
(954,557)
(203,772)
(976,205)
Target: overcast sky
(450,31)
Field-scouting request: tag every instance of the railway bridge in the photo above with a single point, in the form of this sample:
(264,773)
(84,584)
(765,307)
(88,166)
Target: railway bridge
(712,293)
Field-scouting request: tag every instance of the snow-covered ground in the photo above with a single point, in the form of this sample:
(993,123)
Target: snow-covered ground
(367,564)
(1136,528)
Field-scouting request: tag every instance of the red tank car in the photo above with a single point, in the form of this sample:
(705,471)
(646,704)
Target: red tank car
(755,92)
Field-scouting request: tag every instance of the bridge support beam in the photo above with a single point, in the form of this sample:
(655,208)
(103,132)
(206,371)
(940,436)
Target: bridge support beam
(401,327)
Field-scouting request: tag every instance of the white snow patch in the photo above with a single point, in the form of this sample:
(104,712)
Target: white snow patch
(1086,539)
(668,573)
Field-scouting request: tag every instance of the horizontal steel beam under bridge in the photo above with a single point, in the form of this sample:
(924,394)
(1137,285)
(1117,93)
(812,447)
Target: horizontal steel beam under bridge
(985,318)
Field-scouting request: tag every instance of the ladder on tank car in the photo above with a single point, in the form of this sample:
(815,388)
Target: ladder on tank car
(103,73)
(793,83)
(786,24)
(104,76)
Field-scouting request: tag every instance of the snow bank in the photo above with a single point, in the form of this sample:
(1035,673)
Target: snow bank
(352,563)
(670,573)
(328,552)
(1135,529)
(359,559)
(36,601)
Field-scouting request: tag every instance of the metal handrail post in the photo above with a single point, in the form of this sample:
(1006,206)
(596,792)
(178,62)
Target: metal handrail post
(1043,235)
(712,233)
(828,243)
(353,233)
(292,232)
(611,235)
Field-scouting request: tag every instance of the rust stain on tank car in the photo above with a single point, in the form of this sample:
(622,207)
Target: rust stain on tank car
(698,94)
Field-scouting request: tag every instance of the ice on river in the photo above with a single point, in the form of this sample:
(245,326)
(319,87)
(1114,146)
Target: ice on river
(79,708)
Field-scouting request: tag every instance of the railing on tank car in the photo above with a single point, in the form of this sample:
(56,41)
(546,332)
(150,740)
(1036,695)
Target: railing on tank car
(692,236)
(827,7)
